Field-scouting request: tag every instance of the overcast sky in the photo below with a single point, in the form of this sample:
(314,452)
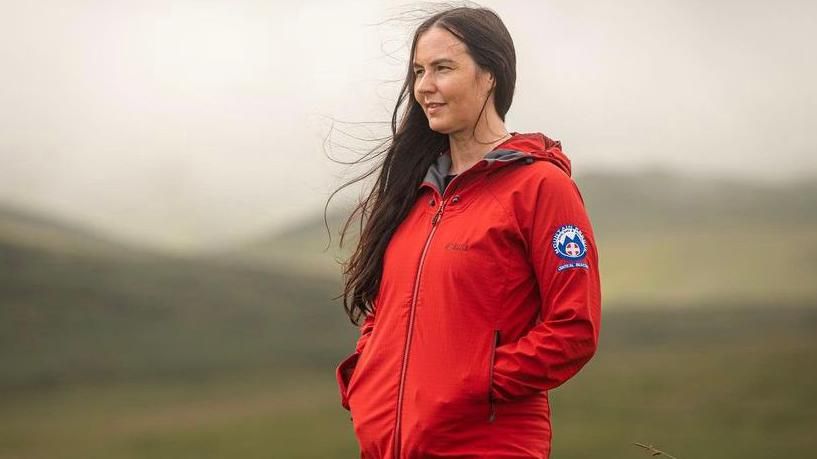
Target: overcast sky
(189,123)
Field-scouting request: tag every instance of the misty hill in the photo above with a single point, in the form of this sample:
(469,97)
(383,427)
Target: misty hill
(75,307)
(662,238)
(304,246)
(25,228)
(660,199)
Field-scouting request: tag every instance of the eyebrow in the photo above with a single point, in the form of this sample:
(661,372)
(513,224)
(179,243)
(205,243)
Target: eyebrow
(437,61)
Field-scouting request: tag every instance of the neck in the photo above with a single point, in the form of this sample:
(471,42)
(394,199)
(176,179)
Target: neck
(468,148)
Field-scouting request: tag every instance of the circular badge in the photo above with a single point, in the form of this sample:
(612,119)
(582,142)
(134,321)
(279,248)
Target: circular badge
(568,242)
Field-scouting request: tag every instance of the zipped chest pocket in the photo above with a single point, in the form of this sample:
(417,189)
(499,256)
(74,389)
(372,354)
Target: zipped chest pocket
(491,402)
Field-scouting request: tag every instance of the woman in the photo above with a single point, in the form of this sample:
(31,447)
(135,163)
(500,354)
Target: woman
(476,272)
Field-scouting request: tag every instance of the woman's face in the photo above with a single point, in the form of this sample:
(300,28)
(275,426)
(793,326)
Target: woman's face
(448,84)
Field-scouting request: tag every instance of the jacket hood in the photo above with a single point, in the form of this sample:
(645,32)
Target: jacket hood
(528,146)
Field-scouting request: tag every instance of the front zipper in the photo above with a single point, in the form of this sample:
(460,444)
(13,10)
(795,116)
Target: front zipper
(494,344)
(449,190)
(434,220)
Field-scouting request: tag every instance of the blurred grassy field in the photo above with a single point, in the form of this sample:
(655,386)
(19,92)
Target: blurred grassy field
(702,383)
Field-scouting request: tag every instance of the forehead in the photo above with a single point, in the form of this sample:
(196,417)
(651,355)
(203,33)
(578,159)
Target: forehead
(438,43)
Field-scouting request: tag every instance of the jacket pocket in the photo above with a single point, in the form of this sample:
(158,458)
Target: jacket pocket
(343,373)
(491,402)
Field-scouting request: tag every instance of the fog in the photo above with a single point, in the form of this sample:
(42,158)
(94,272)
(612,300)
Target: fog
(188,124)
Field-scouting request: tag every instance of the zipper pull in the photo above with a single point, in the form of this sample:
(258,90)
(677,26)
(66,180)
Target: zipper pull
(438,214)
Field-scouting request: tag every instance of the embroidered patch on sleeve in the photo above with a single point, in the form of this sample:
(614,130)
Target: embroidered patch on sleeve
(569,244)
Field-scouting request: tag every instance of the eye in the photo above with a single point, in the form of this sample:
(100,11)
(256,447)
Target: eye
(418,71)
(441,68)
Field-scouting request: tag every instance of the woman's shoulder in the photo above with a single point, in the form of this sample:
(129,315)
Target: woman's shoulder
(542,175)
(531,185)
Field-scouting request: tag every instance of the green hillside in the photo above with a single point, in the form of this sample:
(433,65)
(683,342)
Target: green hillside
(24,228)
(658,200)
(303,247)
(82,314)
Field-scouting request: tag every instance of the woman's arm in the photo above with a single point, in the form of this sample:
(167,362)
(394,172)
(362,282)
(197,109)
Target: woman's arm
(567,334)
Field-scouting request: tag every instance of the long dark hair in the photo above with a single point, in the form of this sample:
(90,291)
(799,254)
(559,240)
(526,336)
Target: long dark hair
(413,147)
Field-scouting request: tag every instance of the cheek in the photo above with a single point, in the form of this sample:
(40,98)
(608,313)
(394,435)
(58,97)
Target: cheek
(475,98)
(452,91)
(465,93)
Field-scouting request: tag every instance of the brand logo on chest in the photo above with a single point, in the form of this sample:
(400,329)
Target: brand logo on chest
(459,247)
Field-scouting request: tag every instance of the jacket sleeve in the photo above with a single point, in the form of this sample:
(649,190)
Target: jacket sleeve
(565,336)
(344,370)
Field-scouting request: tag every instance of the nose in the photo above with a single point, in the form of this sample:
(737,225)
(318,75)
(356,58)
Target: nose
(424,84)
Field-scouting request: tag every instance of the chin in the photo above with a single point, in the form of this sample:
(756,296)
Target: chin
(438,127)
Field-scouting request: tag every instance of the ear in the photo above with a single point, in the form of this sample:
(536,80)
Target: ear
(492,81)
(490,77)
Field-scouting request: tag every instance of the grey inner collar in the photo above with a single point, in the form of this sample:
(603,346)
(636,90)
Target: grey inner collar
(440,167)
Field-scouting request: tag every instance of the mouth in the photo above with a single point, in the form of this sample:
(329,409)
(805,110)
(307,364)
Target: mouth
(434,107)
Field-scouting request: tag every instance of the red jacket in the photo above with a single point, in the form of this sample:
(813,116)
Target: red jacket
(489,297)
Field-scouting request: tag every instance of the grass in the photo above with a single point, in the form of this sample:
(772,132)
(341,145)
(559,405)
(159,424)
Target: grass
(742,386)
(694,383)
(229,416)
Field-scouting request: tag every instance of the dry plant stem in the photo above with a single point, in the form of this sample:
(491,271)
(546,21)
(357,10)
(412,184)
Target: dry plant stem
(654,451)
